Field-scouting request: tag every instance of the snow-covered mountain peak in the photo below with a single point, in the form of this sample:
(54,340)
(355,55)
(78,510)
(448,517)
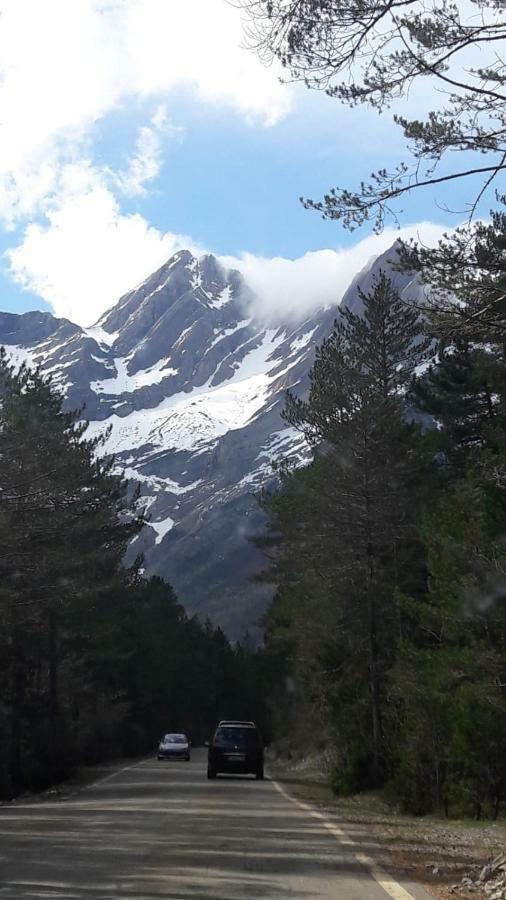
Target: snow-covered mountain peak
(191,385)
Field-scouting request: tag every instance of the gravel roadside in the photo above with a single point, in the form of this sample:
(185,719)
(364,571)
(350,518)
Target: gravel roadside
(437,853)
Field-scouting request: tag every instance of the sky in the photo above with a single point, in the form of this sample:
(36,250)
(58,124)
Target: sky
(130,129)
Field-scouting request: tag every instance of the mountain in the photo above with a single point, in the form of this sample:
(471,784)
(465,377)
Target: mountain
(190,385)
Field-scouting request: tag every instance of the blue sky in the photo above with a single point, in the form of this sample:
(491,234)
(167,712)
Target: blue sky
(149,127)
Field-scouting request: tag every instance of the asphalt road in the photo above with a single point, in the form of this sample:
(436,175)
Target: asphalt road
(161,830)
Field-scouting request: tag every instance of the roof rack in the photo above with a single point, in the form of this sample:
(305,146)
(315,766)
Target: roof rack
(236,722)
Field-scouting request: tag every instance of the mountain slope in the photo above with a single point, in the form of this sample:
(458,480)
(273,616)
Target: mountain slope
(190,385)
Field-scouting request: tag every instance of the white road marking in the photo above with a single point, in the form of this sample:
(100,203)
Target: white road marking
(105,778)
(385,881)
(92,784)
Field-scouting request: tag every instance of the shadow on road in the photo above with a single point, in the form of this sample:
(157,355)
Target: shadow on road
(159,830)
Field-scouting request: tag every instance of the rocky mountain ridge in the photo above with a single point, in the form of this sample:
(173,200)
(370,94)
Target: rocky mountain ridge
(191,385)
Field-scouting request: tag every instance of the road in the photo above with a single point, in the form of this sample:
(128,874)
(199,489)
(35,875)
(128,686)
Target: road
(161,830)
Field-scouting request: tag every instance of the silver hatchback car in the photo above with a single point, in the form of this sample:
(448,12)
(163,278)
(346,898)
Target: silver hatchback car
(174,746)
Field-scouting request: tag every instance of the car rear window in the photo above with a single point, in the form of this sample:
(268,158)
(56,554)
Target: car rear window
(245,737)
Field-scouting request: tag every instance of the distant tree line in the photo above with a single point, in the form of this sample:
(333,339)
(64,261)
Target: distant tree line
(389,547)
(96,660)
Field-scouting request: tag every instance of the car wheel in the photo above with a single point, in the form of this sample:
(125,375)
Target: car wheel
(187,758)
(259,774)
(211,773)
(159,757)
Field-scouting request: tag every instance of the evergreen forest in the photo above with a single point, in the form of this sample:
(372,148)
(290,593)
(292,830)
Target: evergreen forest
(388,550)
(96,660)
(385,644)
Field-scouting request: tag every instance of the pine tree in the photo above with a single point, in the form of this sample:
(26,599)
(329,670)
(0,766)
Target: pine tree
(464,393)
(450,705)
(345,522)
(66,520)
(447,722)
(373,52)
(465,281)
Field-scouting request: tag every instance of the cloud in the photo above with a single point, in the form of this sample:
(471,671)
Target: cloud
(284,287)
(78,61)
(73,66)
(89,253)
(76,64)
(146,161)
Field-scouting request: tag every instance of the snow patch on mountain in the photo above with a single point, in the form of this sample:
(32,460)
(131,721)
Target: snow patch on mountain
(302,341)
(19,356)
(221,334)
(162,528)
(101,336)
(187,420)
(222,299)
(122,382)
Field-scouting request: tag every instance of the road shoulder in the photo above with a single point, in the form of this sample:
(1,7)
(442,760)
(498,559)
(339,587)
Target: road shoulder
(431,852)
(84,778)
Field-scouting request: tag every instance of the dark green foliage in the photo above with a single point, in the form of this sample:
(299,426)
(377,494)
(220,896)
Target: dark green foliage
(389,550)
(469,264)
(449,718)
(462,393)
(346,527)
(95,661)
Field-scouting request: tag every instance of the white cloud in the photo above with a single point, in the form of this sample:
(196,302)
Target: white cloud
(65,65)
(76,63)
(284,287)
(89,253)
(146,160)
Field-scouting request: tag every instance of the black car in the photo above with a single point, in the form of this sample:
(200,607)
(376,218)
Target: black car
(236,747)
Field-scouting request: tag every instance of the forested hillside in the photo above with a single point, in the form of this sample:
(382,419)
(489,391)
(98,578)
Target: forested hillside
(388,549)
(95,660)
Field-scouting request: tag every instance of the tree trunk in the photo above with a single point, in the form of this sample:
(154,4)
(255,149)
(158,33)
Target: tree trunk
(374,674)
(375,692)
(16,717)
(53,698)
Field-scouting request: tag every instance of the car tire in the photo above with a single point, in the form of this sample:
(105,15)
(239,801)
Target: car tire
(159,757)
(211,773)
(259,774)
(187,758)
